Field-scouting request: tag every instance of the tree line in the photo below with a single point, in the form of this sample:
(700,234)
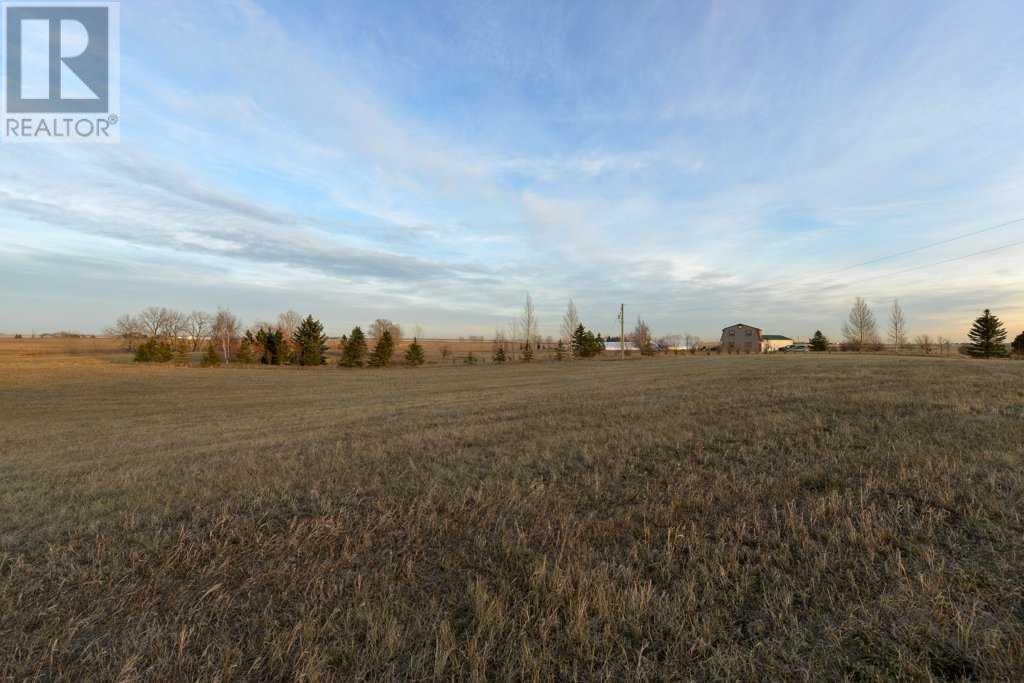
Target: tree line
(158,334)
(987,334)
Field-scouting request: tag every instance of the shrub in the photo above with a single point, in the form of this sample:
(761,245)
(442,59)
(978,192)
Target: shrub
(245,355)
(154,351)
(499,355)
(414,355)
(210,357)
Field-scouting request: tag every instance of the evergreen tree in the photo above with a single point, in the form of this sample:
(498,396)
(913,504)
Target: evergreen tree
(499,354)
(181,355)
(988,337)
(560,351)
(578,342)
(210,357)
(527,354)
(272,342)
(244,355)
(383,351)
(414,354)
(1018,344)
(310,342)
(470,359)
(154,351)
(819,342)
(354,354)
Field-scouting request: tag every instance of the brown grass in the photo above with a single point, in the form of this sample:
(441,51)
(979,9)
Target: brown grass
(861,518)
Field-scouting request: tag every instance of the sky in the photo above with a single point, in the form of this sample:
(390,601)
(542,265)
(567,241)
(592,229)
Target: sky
(703,163)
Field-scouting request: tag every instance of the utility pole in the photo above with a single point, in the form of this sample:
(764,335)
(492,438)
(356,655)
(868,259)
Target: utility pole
(622,331)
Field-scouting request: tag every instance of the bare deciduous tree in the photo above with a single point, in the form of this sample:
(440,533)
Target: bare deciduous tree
(528,323)
(897,326)
(378,326)
(924,342)
(860,329)
(127,327)
(570,321)
(161,323)
(288,322)
(642,337)
(198,326)
(225,330)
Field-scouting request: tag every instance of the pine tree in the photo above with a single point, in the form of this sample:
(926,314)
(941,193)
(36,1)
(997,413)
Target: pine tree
(181,355)
(578,343)
(470,359)
(499,354)
(1018,344)
(272,342)
(354,354)
(527,354)
(819,342)
(210,357)
(383,351)
(560,351)
(414,355)
(310,342)
(244,355)
(988,337)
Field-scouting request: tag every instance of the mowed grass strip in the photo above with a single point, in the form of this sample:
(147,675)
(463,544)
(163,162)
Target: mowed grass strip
(699,517)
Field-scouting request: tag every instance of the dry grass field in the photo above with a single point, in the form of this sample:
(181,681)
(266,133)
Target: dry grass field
(687,518)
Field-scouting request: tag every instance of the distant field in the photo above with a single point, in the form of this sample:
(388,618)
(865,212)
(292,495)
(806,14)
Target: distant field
(694,517)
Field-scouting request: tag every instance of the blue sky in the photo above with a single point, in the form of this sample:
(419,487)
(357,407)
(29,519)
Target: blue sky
(432,162)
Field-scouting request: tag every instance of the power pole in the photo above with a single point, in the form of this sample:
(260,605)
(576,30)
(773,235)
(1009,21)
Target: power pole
(622,331)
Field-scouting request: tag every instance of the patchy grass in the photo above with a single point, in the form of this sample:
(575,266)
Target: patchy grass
(859,517)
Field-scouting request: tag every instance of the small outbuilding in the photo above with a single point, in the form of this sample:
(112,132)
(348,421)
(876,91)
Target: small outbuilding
(774,342)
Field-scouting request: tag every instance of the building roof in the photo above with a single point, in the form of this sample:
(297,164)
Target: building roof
(776,337)
(742,325)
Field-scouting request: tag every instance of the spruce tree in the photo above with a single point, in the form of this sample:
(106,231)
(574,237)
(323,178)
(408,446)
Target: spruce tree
(210,358)
(527,352)
(272,343)
(310,342)
(560,351)
(988,337)
(354,354)
(819,342)
(244,355)
(499,354)
(414,355)
(382,352)
(578,342)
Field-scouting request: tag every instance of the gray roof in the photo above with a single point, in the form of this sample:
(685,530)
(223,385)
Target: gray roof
(776,337)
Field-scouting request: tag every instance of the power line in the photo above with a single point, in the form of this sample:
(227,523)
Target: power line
(927,246)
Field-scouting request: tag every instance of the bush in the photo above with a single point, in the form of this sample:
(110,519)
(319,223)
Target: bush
(154,351)
(414,355)
(210,357)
